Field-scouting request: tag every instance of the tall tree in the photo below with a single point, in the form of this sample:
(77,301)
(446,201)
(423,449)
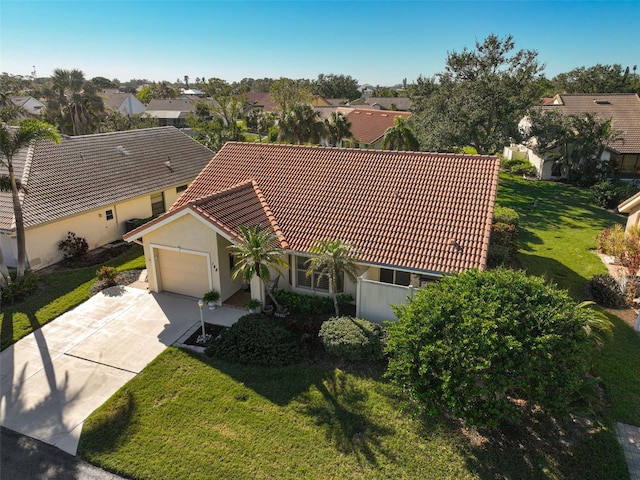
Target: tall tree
(338,128)
(400,136)
(336,86)
(573,142)
(255,252)
(73,103)
(11,141)
(480,98)
(597,79)
(288,93)
(301,124)
(333,259)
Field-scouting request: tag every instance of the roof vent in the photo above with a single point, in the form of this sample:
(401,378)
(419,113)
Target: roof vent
(602,102)
(121,150)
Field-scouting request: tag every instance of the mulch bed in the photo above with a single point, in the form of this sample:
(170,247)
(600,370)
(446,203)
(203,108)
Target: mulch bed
(210,329)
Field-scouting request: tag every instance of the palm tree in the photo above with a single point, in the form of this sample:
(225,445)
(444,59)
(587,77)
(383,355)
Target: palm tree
(73,103)
(333,259)
(256,251)
(400,137)
(301,124)
(338,126)
(11,141)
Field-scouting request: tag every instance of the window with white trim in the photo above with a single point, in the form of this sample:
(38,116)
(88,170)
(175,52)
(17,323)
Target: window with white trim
(310,281)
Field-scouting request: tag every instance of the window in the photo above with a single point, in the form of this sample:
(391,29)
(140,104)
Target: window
(311,281)
(181,188)
(157,203)
(396,277)
(109,214)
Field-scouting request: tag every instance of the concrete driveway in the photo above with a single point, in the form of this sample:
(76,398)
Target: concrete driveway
(51,380)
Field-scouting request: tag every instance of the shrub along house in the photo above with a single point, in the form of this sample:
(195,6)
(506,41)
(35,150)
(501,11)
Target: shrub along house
(92,185)
(413,216)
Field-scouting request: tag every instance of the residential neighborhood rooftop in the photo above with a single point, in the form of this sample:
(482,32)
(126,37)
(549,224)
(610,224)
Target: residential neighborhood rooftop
(622,108)
(428,212)
(91,171)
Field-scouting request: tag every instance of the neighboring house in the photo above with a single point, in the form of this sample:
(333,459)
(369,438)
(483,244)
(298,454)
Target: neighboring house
(631,206)
(402,104)
(264,102)
(171,112)
(368,125)
(414,216)
(32,105)
(624,111)
(125,103)
(93,185)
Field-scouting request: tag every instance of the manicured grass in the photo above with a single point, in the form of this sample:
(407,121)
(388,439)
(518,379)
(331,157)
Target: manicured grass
(60,291)
(557,234)
(186,416)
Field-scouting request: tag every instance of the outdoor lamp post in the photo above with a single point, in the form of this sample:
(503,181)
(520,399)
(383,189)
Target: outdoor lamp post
(201,338)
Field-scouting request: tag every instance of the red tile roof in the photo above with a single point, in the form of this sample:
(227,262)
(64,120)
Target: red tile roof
(369,125)
(423,211)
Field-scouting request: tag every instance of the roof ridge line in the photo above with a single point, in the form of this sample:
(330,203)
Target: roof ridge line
(272,219)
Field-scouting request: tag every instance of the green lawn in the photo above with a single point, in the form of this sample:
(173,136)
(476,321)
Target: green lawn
(190,417)
(186,416)
(60,291)
(557,234)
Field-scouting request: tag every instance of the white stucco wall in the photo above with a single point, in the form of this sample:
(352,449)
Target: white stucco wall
(374,299)
(131,106)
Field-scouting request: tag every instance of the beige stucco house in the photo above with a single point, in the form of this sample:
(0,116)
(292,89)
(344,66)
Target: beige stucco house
(93,184)
(623,109)
(413,216)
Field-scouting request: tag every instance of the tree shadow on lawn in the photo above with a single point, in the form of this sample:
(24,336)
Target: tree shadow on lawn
(334,400)
(548,205)
(541,447)
(555,272)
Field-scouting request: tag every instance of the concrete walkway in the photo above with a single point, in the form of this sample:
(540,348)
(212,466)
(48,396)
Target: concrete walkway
(52,379)
(629,438)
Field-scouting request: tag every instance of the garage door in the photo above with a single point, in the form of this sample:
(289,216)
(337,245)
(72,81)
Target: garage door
(183,273)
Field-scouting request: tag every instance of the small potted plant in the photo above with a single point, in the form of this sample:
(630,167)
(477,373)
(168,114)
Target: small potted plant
(211,297)
(254,306)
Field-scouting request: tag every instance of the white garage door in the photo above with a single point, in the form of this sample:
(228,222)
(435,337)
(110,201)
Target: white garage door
(183,273)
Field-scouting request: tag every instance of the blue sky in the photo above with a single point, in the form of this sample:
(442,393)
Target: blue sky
(376,42)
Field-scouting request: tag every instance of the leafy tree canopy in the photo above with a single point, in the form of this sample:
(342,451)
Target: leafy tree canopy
(575,143)
(102,82)
(597,79)
(479,99)
(474,344)
(287,92)
(336,86)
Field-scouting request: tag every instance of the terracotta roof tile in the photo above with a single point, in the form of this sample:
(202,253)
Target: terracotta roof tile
(400,208)
(369,125)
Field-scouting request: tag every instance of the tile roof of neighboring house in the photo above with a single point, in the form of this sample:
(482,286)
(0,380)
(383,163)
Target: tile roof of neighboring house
(387,103)
(423,211)
(622,108)
(262,100)
(92,171)
(368,125)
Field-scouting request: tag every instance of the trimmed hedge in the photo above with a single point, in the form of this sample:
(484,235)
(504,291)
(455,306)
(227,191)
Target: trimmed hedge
(353,339)
(298,303)
(257,340)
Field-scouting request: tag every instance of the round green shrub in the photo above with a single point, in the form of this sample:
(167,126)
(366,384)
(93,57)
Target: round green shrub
(605,291)
(473,343)
(255,339)
(353,339)
(609,194)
